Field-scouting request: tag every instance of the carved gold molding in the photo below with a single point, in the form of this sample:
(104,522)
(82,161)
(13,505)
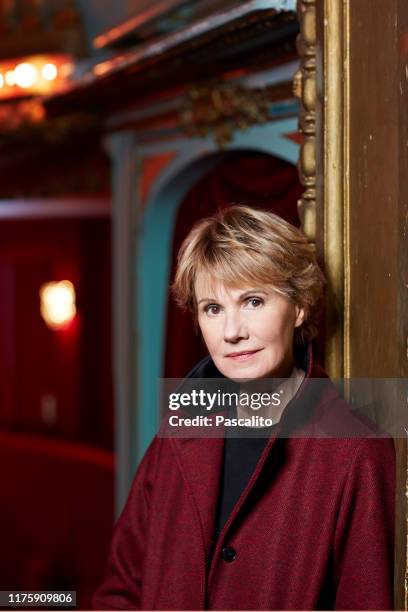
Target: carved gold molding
(335,191)
(321,86)
(304,88)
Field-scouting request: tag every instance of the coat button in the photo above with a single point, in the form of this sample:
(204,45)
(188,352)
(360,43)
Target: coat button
(228,554)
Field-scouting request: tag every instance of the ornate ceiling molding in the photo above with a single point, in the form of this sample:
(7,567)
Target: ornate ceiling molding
(220,110)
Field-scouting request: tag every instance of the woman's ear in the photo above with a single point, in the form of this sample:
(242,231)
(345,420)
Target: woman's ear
(300,316)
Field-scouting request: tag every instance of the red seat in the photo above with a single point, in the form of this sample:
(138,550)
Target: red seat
(56,515)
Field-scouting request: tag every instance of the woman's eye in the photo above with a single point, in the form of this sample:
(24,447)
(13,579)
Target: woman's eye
(212,309)
(255,302)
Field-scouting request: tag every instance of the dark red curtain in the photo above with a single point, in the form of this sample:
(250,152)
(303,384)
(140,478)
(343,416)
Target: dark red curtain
(72,366)
(251,178)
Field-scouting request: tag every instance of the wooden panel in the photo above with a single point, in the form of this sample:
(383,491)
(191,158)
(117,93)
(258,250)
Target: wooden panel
(377,224)
(374,190)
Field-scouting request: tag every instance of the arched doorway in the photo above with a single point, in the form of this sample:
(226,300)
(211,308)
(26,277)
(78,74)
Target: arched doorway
(143,262)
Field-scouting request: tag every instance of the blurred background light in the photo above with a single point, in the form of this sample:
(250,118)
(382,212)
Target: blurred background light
(58,307)
(49,72)
(25,75)
(9,78)
(34,75)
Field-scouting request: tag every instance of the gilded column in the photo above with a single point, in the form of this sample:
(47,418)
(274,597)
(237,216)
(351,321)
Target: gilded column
(322,88)
(305,89)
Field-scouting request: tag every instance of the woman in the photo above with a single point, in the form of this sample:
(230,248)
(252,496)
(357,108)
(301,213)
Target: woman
(283,520)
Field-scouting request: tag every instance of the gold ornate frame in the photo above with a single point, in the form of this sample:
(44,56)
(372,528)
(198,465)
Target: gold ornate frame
(323,94)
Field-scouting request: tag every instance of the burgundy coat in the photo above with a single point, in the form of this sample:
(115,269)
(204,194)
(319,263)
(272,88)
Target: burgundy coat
(313,529)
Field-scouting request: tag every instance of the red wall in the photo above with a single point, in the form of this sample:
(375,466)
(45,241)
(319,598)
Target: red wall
(72,366)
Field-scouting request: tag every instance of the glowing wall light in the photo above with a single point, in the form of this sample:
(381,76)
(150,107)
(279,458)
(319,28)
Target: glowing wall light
(58,304)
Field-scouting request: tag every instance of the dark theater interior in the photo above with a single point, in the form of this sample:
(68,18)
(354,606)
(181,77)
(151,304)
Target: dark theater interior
(122,124)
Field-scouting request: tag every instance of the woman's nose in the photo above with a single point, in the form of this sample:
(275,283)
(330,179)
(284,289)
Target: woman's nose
(235,327)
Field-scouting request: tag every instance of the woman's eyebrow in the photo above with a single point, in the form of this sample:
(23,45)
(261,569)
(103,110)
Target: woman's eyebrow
(240,297)
(252,291)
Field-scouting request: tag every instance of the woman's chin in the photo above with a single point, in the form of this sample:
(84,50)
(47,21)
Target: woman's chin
(243,375)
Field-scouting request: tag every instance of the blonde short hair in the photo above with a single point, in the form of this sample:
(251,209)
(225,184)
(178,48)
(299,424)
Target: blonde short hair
(240,246)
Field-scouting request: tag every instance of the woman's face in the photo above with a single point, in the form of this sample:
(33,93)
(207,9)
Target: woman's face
(248,331)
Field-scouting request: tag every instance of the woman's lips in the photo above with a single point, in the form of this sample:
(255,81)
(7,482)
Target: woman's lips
(243,355)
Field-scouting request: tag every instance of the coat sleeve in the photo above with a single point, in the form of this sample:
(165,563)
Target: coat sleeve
(121,589)
(364,536)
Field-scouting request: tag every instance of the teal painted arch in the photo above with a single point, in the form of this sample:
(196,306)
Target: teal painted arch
(194,159)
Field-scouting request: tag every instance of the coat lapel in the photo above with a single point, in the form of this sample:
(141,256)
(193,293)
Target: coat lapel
(201,460)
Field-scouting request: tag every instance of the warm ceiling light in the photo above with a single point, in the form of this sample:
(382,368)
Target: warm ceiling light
(25,75)
(35,75)
(10,78)
(1,81)
(58,304)
(49,72)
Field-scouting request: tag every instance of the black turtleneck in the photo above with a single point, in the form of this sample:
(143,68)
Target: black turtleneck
(240,458)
